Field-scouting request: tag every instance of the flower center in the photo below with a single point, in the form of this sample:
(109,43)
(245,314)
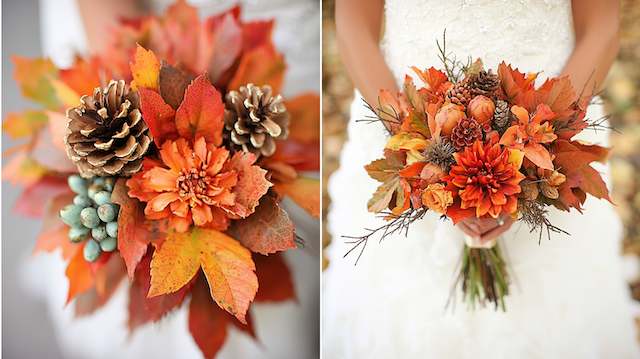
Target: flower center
(195,186)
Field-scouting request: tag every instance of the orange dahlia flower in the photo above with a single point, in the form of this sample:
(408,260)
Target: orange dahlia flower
(487,178)
(191,185)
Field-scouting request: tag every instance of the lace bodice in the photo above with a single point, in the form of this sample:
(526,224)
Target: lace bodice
(533,35)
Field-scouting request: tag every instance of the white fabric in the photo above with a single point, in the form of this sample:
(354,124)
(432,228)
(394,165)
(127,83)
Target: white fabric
(284,330)
(569,298)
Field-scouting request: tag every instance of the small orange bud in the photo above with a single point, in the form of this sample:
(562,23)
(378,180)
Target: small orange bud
(481,108)
(448,117)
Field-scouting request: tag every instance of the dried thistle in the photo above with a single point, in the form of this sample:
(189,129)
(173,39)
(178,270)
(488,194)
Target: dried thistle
(534,214)
(440,152)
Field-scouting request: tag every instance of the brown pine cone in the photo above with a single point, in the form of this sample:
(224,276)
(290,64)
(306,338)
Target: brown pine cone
(466,132)
(502,117)
(106,135)
(485,83)
(459,94)
(254,119)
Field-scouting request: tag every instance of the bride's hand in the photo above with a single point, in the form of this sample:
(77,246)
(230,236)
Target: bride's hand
(485,229)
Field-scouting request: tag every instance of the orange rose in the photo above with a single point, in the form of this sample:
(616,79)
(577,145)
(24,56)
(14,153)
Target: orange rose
(448,117)
(437,198)
(481,108)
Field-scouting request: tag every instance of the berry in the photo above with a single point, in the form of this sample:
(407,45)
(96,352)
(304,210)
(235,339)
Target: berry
(109,183)
(78,234)
(102,197)
(91,251)
(107,212)
(77,184)
(93,189)
(109,244)
(82,200)
(112,229)
(98,181)
(89,217)
(99,233)
(70,215)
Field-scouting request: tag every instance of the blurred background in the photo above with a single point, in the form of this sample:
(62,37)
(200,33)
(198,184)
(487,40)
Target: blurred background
(621,96)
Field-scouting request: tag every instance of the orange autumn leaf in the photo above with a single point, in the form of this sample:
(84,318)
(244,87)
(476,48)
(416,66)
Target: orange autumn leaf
(145,69)
(226,264)
(251,186)
(79,274)
(304,111)
(255,34)
(266,231)
(65,94)
(23,170)
(304,191)
(201,112)
(82,77)
(158,115)
(24,124)
(262,65)
(33,76)
(107,280)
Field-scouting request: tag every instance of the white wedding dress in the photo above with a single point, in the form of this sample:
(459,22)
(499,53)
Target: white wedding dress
(285,329)
(568,299)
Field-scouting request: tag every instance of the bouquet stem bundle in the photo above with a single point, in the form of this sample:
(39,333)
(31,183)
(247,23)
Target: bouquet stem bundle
(483,277)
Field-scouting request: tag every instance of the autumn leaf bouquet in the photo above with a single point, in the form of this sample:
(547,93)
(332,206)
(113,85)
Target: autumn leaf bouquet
(468,142)
(163,161)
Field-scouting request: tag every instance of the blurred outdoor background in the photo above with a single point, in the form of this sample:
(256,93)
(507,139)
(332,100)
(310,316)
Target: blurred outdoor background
(622,97)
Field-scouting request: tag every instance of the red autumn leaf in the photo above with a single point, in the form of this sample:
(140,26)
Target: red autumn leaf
(143,310)
(79,274)
(298,155)
(33,199)
(207,323)
(389,110)
(266,231)
(436,82)
(222,42)
(173,83)
(54,233)
(158,115)
(201,112)
(107,280)
(305,192)
(276,284)
(82,77)
(558,94)
(145,69)
(518,88)
(251,186)
(134,233)
(262,65)
(458,214)
(413,170)
(256,34)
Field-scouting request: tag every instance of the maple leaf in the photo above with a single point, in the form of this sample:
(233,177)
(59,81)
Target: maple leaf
(266,231)
(304,112)
(83,76)
(226,264)
(107,280)
(158,116)
(201,112)
(65,94)
(145,69)
(33,76)
(261,65)
(436,83)
(134,231)
(24,124)
(304,191)
(222,44)
(251,186)
(385,168)
(173,83)
(517,87)
(143,310)
(276,284)
(558,94)
(182,30)
(255,34)
(389,110)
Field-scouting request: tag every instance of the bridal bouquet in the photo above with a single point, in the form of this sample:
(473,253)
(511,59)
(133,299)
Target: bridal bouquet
(471,143)
(163,161)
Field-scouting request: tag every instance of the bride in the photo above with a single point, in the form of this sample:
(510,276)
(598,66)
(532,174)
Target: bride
(568,297)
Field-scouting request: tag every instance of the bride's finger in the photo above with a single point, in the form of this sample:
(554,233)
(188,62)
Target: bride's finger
(468,230)
(497,231)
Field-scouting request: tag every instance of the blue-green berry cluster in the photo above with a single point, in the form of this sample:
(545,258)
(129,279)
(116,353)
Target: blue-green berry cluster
(92,216)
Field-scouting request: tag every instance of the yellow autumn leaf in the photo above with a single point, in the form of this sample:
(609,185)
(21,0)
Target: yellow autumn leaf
(515,157)
(227,265)
(406,141)
(145,69)
(65,94)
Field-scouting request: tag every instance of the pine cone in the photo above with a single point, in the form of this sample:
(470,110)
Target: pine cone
(459,94)
(466,133)
(502,117)
(106,134)
(484,83)
(254,119)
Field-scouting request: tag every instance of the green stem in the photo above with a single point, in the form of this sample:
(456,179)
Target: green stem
(483,277)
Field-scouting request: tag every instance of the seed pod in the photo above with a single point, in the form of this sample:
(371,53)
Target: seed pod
(89,217)
(91,251)
(109,244)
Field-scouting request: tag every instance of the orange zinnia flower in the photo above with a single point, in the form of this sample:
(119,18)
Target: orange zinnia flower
(487,178)
(189,186)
